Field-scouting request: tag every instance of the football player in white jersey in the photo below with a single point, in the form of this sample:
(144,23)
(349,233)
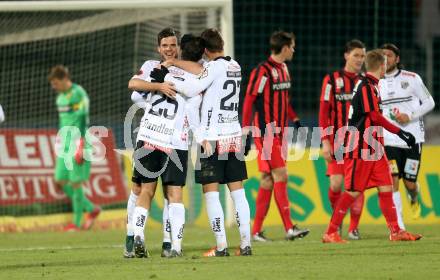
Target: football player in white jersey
(162,149)
(405,101)
(2,114)
(223,162)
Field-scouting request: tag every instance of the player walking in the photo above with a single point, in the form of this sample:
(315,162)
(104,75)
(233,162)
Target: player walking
(268,90)
(405,101)
(72,169)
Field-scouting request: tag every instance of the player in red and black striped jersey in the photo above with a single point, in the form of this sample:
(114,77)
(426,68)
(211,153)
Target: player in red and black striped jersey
(366,165)
(268,90)
(335,101)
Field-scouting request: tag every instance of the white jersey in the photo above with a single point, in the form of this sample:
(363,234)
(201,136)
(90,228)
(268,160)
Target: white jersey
(221,79)
(2,114)
(404,92)
(165,122)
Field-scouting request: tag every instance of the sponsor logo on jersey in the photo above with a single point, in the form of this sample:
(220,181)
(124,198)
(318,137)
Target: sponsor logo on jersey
(179,78)
(176,71)
(64,109)
(158,128)
(227,119)
(346,96)
(233,74)
(339,83)
(208,123)
(281,86)
(404,84)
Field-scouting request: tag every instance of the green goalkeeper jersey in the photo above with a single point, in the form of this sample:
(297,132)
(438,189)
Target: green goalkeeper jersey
(73,108)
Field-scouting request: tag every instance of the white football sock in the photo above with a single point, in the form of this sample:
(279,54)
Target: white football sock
(397,199)
(243,216)
(166,226)
(216,218)
(140,217)
(131,204)
(177,221)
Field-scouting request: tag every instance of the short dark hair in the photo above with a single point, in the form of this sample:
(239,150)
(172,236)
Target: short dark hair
(353,44)
(58,72)
(167,32)
(213,40)
(192,47)
(374,59)
(279,39)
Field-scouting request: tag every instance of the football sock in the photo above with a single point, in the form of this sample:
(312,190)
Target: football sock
(333,197)
(77,205)
(216,218)
(339,212)
(131,204)
(389,210)
(280,193)
(140,217)
(243,216)
(261,207)
(397,199)
(177,221)
(166,227)
(356,212)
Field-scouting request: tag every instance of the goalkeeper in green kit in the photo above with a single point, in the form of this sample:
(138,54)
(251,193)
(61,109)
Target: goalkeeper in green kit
(72,167)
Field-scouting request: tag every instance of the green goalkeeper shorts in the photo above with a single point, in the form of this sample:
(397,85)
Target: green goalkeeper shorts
(71,171)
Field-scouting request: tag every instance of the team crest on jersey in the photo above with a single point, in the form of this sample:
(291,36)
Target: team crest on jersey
(339,83)
(275,74)
(404,84)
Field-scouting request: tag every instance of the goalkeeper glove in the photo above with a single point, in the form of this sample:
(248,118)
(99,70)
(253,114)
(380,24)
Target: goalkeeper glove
(159,74)
(407,137)
(247,146)
(79,153)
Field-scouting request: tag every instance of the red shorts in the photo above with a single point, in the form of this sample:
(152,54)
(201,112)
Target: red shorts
(269,159)
(361,174)
(335,168)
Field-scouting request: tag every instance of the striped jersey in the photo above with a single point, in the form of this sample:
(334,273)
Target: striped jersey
(270,82)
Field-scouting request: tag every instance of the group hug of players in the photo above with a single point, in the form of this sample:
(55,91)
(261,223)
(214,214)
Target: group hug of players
(372,133)
(184,92)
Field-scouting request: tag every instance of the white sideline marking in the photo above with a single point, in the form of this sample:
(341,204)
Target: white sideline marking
(59,248)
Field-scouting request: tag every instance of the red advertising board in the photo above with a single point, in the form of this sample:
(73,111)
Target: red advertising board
(27,162)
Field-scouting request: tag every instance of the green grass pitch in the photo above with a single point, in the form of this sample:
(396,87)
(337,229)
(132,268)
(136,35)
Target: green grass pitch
(98,255)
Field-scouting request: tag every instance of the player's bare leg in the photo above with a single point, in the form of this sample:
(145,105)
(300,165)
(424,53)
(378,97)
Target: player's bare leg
(140,217)
(280,192)
(389,211)
(243,217)
(262,206)
(176,213)
(131,204)
(413,193)
(216,219)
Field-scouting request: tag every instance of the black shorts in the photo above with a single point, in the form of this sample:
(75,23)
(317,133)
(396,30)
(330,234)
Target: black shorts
(152,163)
(405,163)
(223,169)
